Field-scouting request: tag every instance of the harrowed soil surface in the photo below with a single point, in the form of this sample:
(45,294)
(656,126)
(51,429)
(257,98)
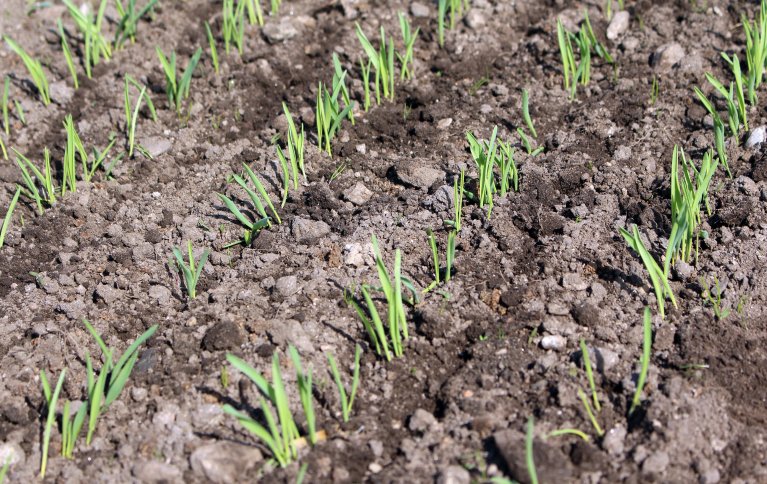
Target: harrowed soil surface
(493,347)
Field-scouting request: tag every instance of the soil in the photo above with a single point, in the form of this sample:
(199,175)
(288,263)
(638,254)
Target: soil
(548,262)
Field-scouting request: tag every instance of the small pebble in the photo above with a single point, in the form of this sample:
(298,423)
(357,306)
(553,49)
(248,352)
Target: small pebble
(553,342)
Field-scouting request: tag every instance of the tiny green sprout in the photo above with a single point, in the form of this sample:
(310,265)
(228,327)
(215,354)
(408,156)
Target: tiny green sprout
(714,298)
(365,72)
(458,197)
(129,18)
(329,114)
(756,50)
(576,432)
(233,24)
(6,122)
(590,413)
(587,44)
(590,374)
(657,276)
(177,88)
(487,155)
(33,177)
(526,113)
(73,149)
(191,270)
(131,114)
(450,255)
(719,144)
(645,361)
(251,227)
(347,400)
(8,216)
(654,90)
(339,79)
(224,377)
(294,161)
(51,398)
(95,45)
(275,7)
(435,257)
(733,112)
(456,10)
(734,64)
(2,149)
(408,38)
(382,60)
(529,459)
(302,473)
(5,468)
(68,55)
(255,14)
(212,45)
(35,69)
(305,393)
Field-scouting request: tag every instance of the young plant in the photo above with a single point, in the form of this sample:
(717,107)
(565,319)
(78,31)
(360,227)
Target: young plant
(756,50)
(435,260)
(408,39)
(483,155)
(590,374)
(281,441)
(51,399)
(94,41)
(233,24)
(177,88)
(294,161)
(2,149)
(275,7)
(6,121)
(191,271)
(305,393)
(68,55)
(526,113)
(654,90)
(347,400)
(733,112)
(129,18)
(458,195)
(73,149)
(714,298)
(456,9)
(645,361)
(33,177)
(450,255)
(329,114)
(365,72)
(529,459)
(339,79)
(131,114)
(587,44)
(657,276)
(8,216)
(590,413)
(721,151)
(382,61)
(255,14)
(19,111)
(251,227)
(35,69)
(212,44)
(734,64)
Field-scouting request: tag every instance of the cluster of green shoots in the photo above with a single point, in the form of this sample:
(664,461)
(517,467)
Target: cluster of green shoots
(260,198)
(329,112)
(644,362)
(439,275)
(587,43)
(530,126)
(408,39)
(714,298)
(233,22)
(455,9)
(177,88)
(131,113)
(459,189)
(101,392)
(609,8)
(9,216)
(586,358)
(95,44)
(347,399)
(392,288)
(35,69)
(294,161)
(190,270)
(756,50)
(489,155)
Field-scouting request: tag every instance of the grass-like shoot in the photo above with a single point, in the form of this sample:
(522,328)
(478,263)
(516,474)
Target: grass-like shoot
(6,121)
(233,24)
(131,114)
(35,69)
(590,412)
(654,90)
(458,197)
(658,277)
(382,60)
(38,185)
(129,18)
(328,112)
(756,50)
(68,55)
(645,361)
(714,298)
(213,49)
(408,39)
(294,161)
(176,87)
(304,379)
(72,150)
(456,9)
(9,216)
(734,64)
(94,41)
(488,155)
(347,400)
(450,259)
(529,456)
(51,398)
(190,270)
(252,227)
(255,13)
(590,374)
(587,44)
(576,432)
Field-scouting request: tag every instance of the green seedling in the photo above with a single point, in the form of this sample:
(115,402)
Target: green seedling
(733,112)
(177,88)
(488,155)
(275,7)
(212,45)
(281,441)
(576,432)
(382,61)
(435,259)
(255,14)
(329,114)
(4,469)
(68,55)
(233,24)
(450,258)
(408,39)
(251,227)
(95,45)
(19,111)
(645,361)
(456,10)
(365,72)
(294,161)
(587,44)
(45,195)
(654,90)
(590,374)
(131,114)
(70,428)
(6,121)
(8,216)
(73,149)
(734,64)
(347,400)
(714,298)
(756,50)
(190,271)
(658,277)
(51,398)
(129,18)
(590,412)
(719,144)
(450,255)
(112,378)
(305,393)
(339,79)
(527,144)
(458,196)
(35,69)
(2,149)
(526,113)
(529,460)
(302,473)
(609,6)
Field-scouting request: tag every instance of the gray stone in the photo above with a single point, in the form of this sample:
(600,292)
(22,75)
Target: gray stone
(160,293)
(622,153)
(454,475)
(225,335)
(656,463)
(223,462)
(138,394)
(499,90)
(376,447)
(107,293)
(603,359)
(61,92)
(156,472)
(441,200)
(354,255)
(667,55)
(358,194)
(553,342)
(418,9)
(574,282)
(618,25)
(444,123)
(421,421)
(747,186)
(550,462)
(307,231)
(475,19)
(756,137)
(157,145)
(12,453)
(286,286)
(683,270)
(419,176)
(279,32)
(614,440)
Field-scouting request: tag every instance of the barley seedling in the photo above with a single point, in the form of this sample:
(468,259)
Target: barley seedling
(32,176)
(70,427)
(756,50)
(450,259)
(251,227)
(212,44)
(658,277)
(281,441)
(294,162)
(339,79)
(435,259)
(131,115)
(6,121)
(90,27)
(275,7)
(590,412)
(609,6)
(2,149)
(4,469)
(456,9)
(51,399)
(526,113)
(329,114)
(645,361)
(255,14)
(721,151)
(347,400)
(233,24)
(529,459)
(382,61)
(408,38)
(365,72)
(527,144)
(490,154)
(734,64)
(129,18)
(305,393)
(9,216)
(19,111)
(567,55)
(68,55)
(458,195)
(35,69)
(590,374)
(576,432)
(190,271)
(178,88)
(587,43)
(733,113)
(74,147)
(714,298)
(654,90)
